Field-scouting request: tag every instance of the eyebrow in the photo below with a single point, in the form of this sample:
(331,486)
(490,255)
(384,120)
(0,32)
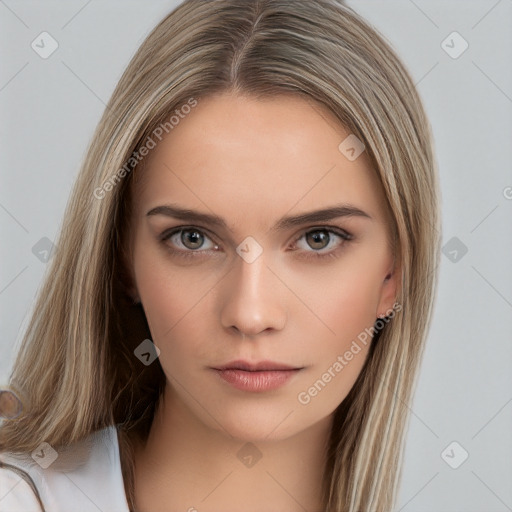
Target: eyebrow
(325,214)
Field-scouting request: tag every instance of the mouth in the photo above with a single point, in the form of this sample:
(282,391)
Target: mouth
(262,366)
(256,377)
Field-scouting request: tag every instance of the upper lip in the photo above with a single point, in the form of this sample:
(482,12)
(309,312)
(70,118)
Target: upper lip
(253,367)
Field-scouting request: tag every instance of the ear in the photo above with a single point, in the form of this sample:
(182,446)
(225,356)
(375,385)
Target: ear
(126,279)
(389,292)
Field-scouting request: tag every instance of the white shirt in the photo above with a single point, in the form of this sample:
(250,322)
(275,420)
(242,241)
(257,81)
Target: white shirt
(96,486)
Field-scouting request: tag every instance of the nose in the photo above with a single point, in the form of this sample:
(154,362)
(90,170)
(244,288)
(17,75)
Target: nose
(251,301)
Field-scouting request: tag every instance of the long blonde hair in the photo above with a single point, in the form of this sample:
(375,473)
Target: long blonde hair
(76,369)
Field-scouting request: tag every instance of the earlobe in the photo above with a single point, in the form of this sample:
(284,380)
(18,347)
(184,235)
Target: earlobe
(127,285)
(127,279)
(388,294)
(132,292)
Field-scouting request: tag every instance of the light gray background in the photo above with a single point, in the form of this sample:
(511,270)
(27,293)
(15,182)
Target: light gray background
(50,107)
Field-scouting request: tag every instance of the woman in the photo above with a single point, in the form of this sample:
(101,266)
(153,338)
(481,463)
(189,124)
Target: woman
(244,280)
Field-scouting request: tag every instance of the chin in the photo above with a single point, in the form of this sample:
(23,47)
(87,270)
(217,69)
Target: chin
(259,423)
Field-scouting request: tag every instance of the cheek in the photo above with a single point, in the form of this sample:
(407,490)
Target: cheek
(166,293)
(352,303)
(347,310)
(343,300)
(171,311)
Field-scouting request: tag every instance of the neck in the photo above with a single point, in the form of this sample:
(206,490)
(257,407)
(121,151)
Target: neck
(189,466)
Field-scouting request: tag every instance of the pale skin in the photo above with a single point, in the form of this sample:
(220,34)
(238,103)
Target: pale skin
(252,162)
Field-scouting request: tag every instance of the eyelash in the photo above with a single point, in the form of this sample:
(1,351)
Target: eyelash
(344,235)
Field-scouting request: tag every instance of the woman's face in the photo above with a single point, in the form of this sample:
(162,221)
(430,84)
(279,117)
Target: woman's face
(233,260)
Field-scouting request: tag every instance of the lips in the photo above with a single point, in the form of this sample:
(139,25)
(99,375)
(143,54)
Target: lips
(256,377)
(260,366)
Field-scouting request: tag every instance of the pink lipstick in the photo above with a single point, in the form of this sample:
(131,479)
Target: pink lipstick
(256,377)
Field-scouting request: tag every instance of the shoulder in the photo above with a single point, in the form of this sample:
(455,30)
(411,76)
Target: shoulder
(86,474)
(16,494)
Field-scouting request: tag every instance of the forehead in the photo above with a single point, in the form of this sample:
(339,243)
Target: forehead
(240,156)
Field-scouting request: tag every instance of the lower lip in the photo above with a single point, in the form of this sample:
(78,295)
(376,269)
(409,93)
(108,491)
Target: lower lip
(257,381)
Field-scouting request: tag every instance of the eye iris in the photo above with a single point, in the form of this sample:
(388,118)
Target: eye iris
(318,238)
(192,239)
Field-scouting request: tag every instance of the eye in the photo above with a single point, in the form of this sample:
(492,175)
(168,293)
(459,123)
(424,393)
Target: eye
(318,239)
(188,241)
(191,242)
